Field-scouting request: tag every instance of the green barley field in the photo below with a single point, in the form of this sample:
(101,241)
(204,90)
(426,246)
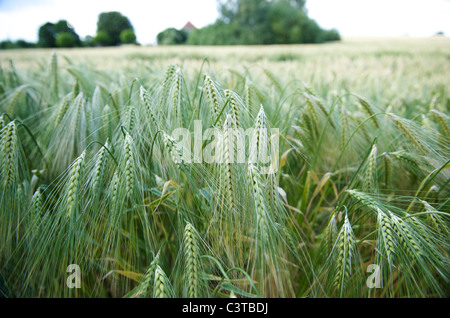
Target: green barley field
(354,201)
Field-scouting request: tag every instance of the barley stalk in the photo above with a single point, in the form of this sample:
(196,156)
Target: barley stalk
(274,81)
(145,99)
(427,123)
(174,149)
(369,176)
(146,284)
(272,189)
(362,126)
(315,101)
(260,142)
(436,220)
(63,108)
(99,167)
(106,122)
(96,99)
(36,210)
(9,160)
(407,240)
(442,118)
(345,245)
(2,124)
(73,188)
(54,72)
(386,235)
(368,109)
(131,118)
(176,92)
(310,109)
(248,95)
(129,165)
(229,153)
(37,202)
(260,205)
(79,104)
(15,97)
(115,182)
(234,107)
(387,169)
(167,80)
(331,233)
(192,269)
(75,89)
(406,157)
(364,198)
(161,287)
(211,93)
(310,128)
(344,126)
(403,126)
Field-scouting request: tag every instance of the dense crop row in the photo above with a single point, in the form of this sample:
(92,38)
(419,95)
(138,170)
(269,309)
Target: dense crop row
(92,174)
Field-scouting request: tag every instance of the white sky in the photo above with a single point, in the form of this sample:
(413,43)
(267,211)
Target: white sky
(382,17)
(20,19)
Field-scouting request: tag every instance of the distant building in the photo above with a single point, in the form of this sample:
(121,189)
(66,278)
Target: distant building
(189,27)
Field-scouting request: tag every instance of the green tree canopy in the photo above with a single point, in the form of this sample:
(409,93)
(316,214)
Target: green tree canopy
(262,22)
(66,27)
(171,36)
(113,23)
(127,36)
(19,44)
(102,38)
(65,39)
(48,34)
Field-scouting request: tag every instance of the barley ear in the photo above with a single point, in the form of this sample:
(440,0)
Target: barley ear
(234,107)
(162,287)
(370,174)
(129,165)
(344,262)
(9,155)
(192,269)
(74,184)
(385,235)
(443,119)
(368,109)
(211,93)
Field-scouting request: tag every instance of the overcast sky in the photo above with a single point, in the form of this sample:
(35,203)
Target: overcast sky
(20,19)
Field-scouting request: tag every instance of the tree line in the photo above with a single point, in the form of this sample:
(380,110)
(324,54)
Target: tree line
(244,22)
(240,22)
(113,28)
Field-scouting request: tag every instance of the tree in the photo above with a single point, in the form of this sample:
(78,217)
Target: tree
(48,33)
(284,23)
(62,26)
(127,36)
(102,38)
(250,16)
(88,41)
(262,22)
(19,44)
(171,36)
(6,45)
(22,44)
(65,39)
(332,35)
(113,23)
(218,33)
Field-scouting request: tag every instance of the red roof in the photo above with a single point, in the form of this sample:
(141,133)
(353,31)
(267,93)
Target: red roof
(189,26)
